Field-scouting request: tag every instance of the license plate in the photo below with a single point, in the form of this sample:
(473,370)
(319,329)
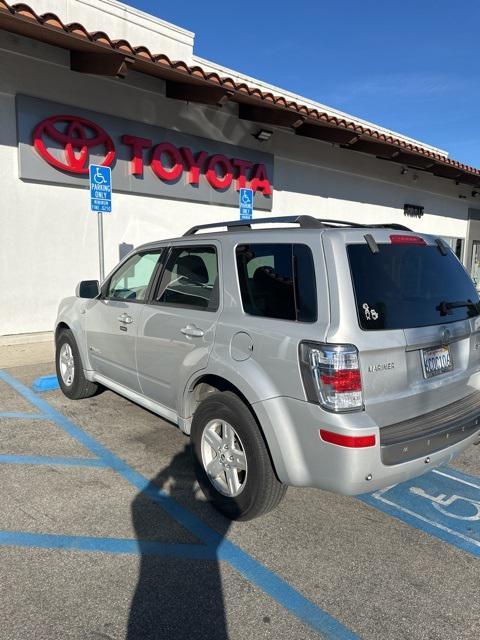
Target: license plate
(436,361)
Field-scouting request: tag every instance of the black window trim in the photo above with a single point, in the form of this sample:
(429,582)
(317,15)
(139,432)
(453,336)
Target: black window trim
(237,275)
(106,285)
(155,284)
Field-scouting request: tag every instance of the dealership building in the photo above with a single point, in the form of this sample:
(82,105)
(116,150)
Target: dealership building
(95,81)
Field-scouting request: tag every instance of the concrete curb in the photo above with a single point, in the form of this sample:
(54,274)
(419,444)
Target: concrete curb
(26,338)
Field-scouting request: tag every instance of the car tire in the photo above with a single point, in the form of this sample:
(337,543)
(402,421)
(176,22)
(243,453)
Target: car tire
(239,479)
(69,368)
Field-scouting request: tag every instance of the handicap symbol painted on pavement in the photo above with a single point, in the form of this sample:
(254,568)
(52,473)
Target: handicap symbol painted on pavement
(444,503)
(441,501)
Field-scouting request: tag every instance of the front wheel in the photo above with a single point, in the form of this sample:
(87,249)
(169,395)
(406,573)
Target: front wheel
(231,460)
(69,367)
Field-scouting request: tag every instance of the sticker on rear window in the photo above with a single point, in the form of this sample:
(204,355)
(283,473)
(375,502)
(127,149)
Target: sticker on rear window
(370,313)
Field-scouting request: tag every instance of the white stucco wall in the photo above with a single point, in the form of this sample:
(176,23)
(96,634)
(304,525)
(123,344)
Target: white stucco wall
(121,21)
(49,237)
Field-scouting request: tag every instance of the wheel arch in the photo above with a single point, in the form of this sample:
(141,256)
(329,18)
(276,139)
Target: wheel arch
(61,326)
(204,384)
(198,389)
(70,322)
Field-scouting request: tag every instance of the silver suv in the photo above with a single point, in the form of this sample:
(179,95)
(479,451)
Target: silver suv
(330,355)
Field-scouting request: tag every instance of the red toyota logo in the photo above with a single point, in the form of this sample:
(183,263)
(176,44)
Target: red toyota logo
(76,136)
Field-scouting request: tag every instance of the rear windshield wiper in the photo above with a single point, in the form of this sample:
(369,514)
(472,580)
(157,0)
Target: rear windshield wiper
(445,307)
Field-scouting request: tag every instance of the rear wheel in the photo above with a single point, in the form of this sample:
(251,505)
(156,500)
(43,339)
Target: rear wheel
(69,367)
(232,463)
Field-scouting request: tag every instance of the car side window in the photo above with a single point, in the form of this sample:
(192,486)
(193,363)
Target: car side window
(277,281)
(131,280)
(190,279)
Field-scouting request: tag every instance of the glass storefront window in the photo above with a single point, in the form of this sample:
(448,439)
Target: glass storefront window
(456,244)
(475,272)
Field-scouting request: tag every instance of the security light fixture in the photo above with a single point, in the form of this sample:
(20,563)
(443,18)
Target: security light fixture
(263,135)
(404,171)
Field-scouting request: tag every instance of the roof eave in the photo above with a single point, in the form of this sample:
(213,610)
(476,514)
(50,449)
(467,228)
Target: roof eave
(195,84)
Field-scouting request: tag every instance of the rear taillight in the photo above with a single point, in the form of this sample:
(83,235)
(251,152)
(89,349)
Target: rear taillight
(331,375)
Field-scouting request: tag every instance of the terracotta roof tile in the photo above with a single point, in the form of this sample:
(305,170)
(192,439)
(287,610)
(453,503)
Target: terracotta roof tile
(23,11)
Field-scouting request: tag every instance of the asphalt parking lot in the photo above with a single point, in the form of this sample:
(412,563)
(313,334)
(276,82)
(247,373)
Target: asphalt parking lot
(104,535)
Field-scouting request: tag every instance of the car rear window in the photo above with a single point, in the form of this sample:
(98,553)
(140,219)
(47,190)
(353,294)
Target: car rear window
(277,281)
(403,285)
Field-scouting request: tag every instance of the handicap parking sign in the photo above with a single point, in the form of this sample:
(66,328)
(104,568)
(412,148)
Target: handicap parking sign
(100,188)
(246,204)
(444,503)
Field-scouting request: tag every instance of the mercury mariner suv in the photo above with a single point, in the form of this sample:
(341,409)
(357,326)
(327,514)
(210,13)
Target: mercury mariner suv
(327,354)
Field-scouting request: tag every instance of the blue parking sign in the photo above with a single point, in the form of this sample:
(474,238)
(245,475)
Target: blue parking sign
(246,204)
(100,188)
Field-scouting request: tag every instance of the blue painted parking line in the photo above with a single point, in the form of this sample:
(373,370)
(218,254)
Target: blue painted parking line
(19,415)
(7,458)
(458,475)
(444,503)
(45,383)
(124,546)
(252,570)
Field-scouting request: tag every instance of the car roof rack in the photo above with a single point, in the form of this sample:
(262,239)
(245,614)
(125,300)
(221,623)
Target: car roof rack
(304,221)
(357,225)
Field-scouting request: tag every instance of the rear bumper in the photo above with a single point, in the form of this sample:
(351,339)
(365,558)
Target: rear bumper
(430,432)
(301,458)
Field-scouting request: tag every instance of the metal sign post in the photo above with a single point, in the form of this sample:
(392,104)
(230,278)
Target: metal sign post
(100,202)
(246,204)
(101,257)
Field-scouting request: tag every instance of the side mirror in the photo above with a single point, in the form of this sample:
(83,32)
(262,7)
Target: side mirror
(88,289)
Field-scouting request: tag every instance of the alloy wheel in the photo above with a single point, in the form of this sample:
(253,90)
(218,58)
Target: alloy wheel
(67,364)
(223,458)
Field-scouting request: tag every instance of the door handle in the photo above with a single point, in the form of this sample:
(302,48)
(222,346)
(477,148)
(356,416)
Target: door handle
(192,331)
(126,319)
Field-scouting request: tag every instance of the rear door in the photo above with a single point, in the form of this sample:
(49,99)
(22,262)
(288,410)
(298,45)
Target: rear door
(112,319)
(178,327)
(416,324)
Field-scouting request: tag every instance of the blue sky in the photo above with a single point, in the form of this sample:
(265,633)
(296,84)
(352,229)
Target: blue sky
(412,66)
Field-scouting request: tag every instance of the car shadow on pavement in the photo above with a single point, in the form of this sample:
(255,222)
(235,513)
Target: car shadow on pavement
(175,599)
